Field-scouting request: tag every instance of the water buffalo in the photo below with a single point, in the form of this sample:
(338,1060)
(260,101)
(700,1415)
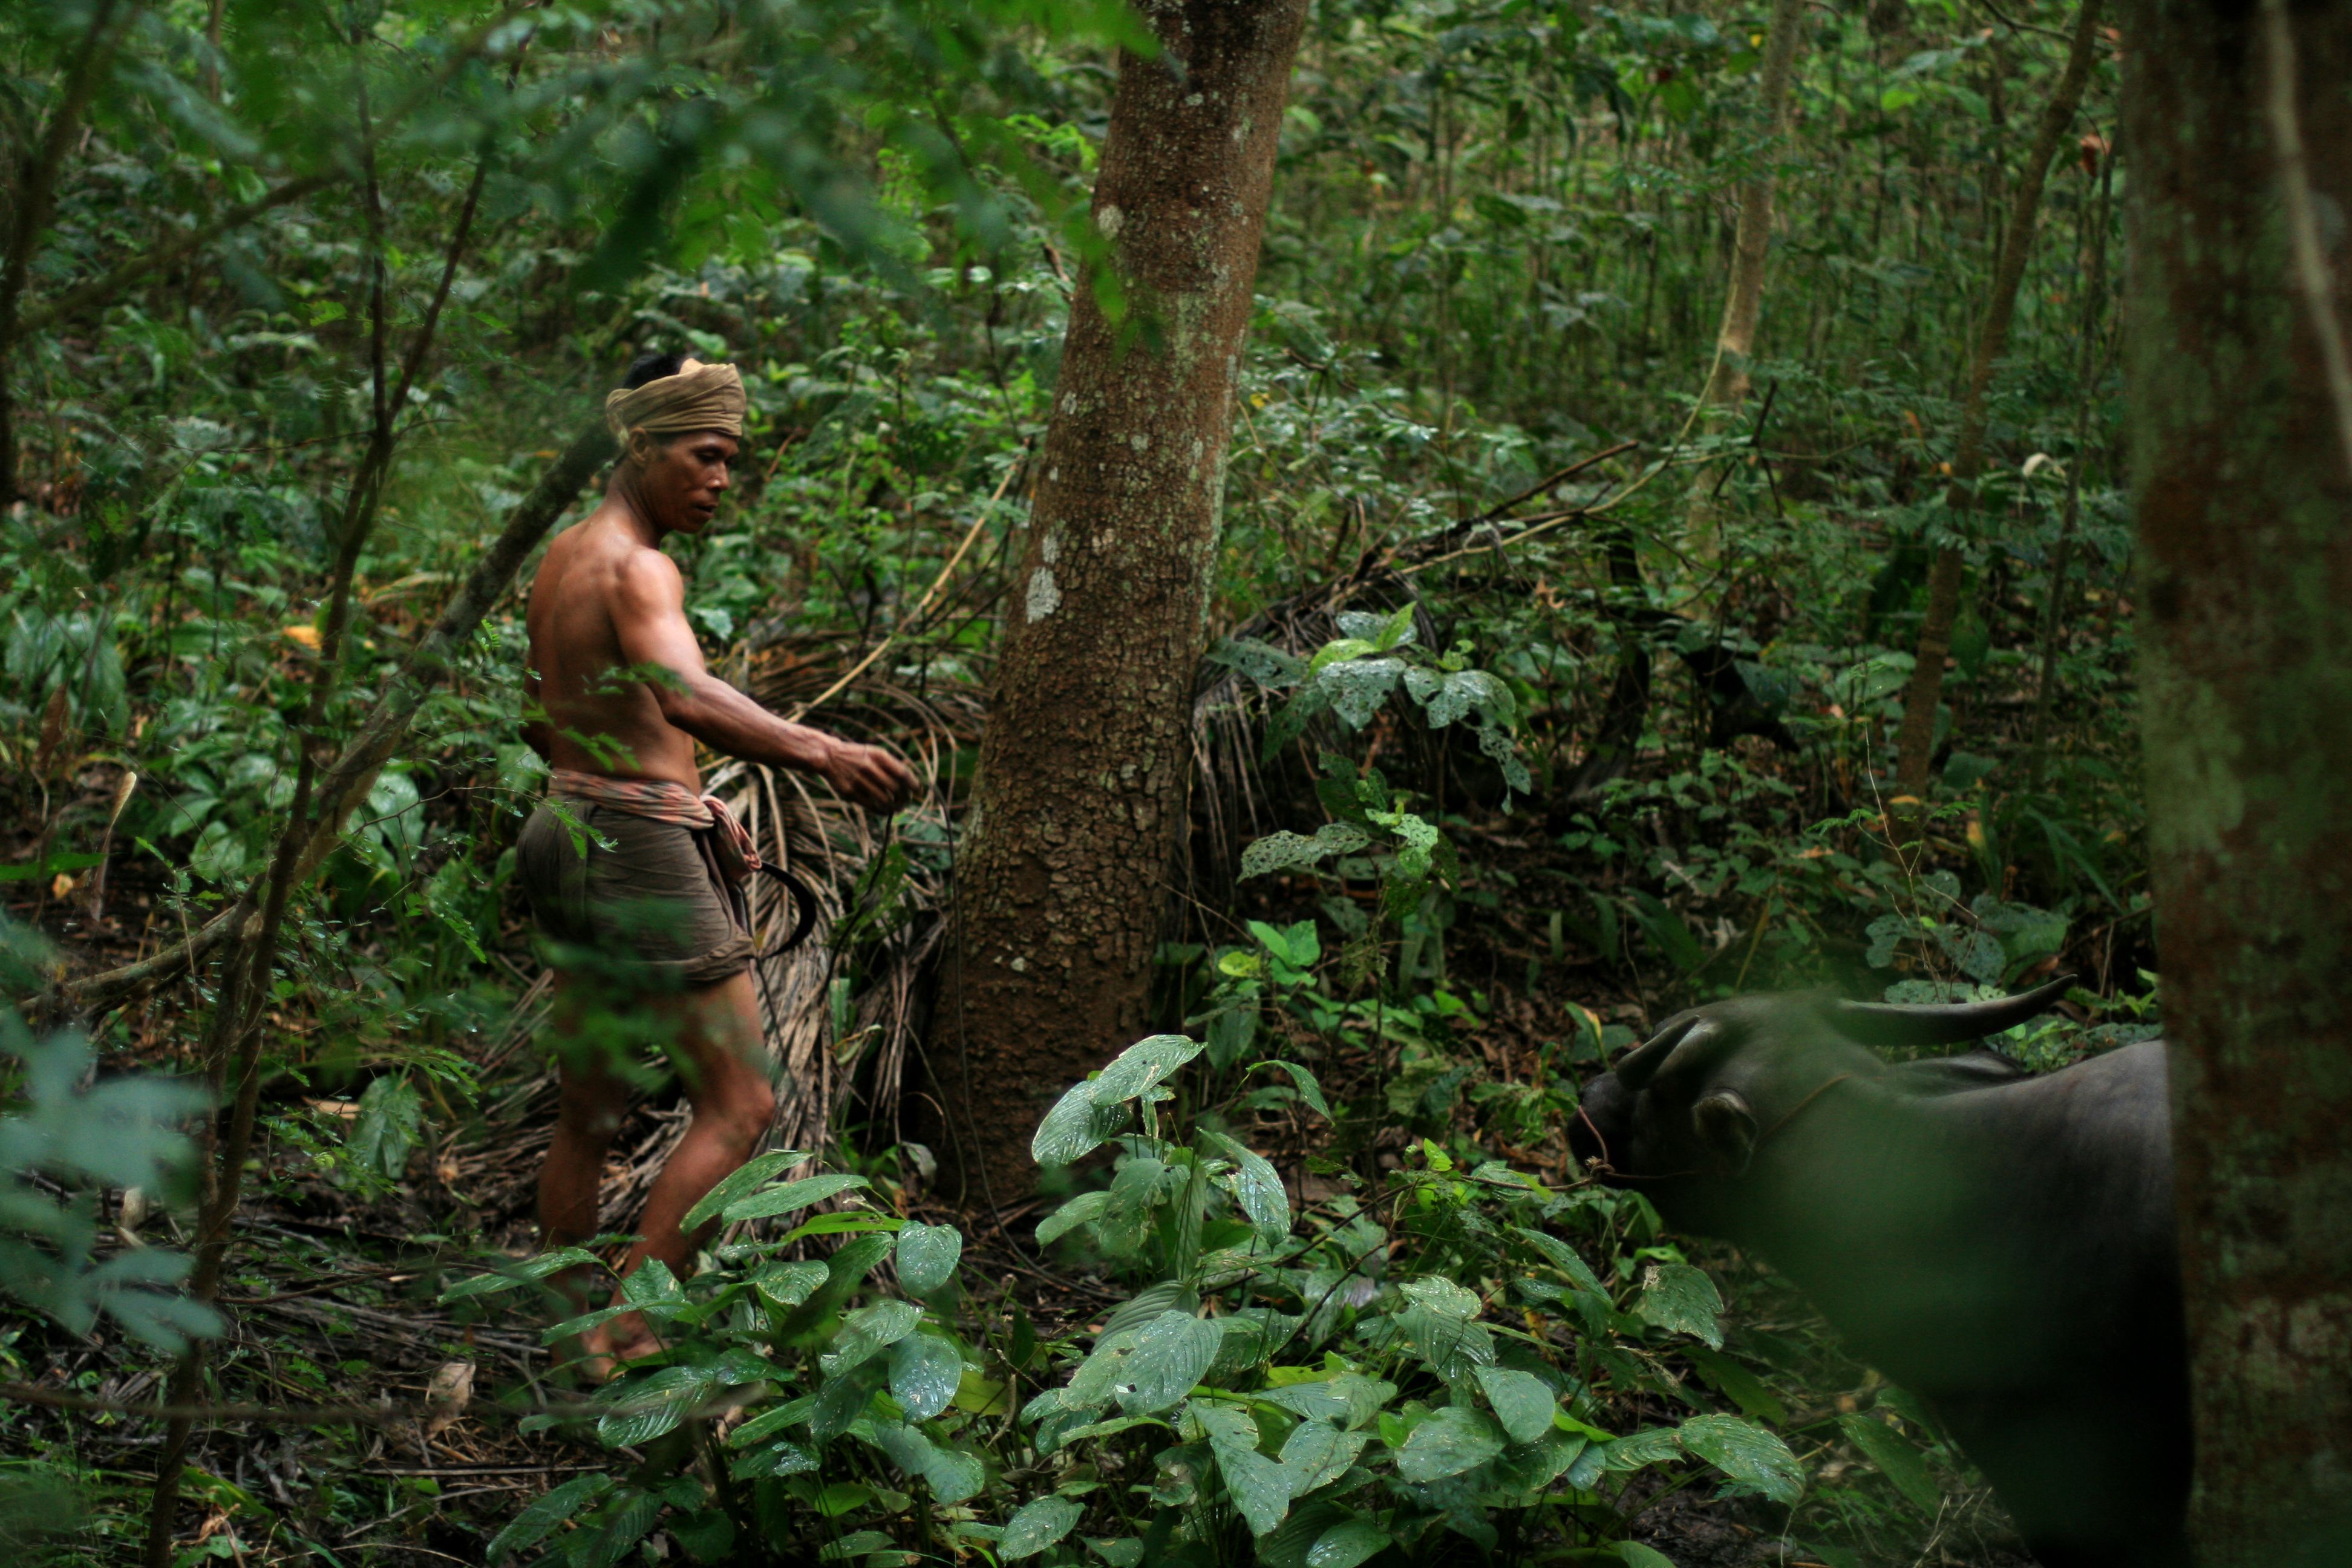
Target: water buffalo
(1999,1243)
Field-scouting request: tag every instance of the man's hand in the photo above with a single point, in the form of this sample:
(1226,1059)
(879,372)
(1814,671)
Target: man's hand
(869,775)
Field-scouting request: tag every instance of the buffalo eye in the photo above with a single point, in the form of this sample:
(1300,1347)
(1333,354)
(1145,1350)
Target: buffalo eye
(1727,1128)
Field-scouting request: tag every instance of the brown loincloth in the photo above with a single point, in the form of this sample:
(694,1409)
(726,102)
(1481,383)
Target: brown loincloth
(650,907)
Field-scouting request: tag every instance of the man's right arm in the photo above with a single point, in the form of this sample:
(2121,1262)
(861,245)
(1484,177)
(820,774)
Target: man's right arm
(649,618)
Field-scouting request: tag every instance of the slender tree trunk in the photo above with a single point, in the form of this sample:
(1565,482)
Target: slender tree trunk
(1743,305)
(35,193)
(1916,744)
(1081,789)
(1727,383)
(2087,371)
(2241,416)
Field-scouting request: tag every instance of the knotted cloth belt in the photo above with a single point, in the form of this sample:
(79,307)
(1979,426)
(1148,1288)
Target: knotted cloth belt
(726,844)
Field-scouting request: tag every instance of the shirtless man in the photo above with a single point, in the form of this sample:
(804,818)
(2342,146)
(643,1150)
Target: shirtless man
(645,933)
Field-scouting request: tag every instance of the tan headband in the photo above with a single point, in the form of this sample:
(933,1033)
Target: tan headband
(698,397)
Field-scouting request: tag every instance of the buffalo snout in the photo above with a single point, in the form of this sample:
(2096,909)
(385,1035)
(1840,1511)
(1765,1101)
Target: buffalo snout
(1602,1125)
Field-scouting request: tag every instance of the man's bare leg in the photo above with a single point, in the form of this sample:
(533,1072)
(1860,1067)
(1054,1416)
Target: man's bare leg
(725,1073)
(592,1101)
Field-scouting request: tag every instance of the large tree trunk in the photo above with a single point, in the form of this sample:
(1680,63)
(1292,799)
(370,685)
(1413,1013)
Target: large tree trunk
(1916,744)
(2243,494)
(1082,779)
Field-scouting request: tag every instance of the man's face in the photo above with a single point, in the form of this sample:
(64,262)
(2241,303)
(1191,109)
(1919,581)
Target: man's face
(681,477)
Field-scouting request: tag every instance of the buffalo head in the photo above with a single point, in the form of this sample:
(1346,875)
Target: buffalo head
(1695,1102)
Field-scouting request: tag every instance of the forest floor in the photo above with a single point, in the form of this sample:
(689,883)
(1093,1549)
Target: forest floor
(332,1300)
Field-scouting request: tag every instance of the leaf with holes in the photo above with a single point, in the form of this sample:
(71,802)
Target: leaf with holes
(1359,687)
(1288,851)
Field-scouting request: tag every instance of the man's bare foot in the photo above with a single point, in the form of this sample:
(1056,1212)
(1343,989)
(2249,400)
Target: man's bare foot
(609,1347)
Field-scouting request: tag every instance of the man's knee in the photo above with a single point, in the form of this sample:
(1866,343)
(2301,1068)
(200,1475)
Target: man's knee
(747,1108)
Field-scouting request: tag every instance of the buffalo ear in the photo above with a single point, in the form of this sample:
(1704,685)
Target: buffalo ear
(1727,1128)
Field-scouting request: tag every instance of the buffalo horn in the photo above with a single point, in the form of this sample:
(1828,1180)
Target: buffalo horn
(1887,1023)
(1637,1069)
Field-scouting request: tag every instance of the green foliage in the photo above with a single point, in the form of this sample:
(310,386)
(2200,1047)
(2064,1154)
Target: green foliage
(1389,1367)
(123,1132)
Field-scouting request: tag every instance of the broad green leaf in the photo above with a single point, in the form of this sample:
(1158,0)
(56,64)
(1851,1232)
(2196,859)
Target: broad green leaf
(1743,1387)
(844,1222)
(1447,1442)
(1077,1126)
(391,1112)
(1318,1453)
(926,1257)
(868,1329)
(1895,1457)
(1257,1187)
(1168,1357)
(843,1399)
(1679,1298)
(1142,1064)
(1653,1447)
(951,1474)
(925,1373)
(1749,1454)
(776,1460)
(1037,1526)
(1096,1382)
(1260,1487)
(1442,1297)
(788,1196)
(789,1284)
(772,1421)
(546,1514)
(1563,1258)
(1078,1211)
(1633,1554)
(745,1179)
(1522,1402)
(1348,1399)
(1347,1543)
(1309,1088)
(644,1411)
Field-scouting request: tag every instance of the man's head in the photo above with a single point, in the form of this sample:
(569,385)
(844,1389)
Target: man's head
(678,422)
